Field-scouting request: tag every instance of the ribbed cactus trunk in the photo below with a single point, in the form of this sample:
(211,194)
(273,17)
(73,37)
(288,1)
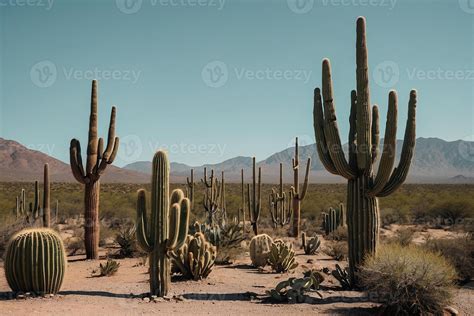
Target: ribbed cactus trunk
(46,198)
(364,183)
(91,219)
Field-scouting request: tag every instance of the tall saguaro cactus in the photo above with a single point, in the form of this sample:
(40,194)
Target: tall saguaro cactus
(253,198)
(168,228)
(297,195)
(364,186)
(97,161)
(279,212)
(190,188)
(46,198)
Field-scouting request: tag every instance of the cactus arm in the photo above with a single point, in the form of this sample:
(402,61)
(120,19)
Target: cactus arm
(92,142)
(76,161)
(306,180)
(36,200)
(259,191)
(363,99)
(331,129)
(114,151)
(249,206)
(353,132)
(321,144)
(174,216)
(390,141)
(375,133)
(143,239)
(185,208)
(111,135)
(401,171)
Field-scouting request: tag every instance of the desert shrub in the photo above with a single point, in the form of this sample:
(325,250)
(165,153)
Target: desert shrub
(340,234)
(404,236)
(452,212)
(109,268)
(127,241)
(393,216)
(74,246)
(408,280)
(106,235)
(459,251)
(337,249)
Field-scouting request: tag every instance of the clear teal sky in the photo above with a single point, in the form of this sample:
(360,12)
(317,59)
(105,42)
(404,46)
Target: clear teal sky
(154,59)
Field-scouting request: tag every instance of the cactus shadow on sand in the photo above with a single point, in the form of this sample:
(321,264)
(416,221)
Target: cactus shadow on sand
(245,296)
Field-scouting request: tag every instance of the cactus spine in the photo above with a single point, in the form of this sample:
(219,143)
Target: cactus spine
(168,228)
(297,196)
(280,212)
(364,186)
(97,161)
(254,201)
(35,261)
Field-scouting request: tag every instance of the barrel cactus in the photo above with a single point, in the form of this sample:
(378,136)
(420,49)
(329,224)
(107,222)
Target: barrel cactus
(168,227)
(310,245)
(195,258)
(260,246)
(35,261)
(282,257)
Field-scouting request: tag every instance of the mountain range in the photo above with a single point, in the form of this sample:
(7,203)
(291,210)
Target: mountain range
(435,161)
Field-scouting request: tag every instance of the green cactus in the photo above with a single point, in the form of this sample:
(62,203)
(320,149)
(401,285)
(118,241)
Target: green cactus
(253,199)
(296,195)
(46,198)
(282,257)
(190,189)
(343,277)
(35,261)
(333,219)
(311,245)
(260,246)
(241,210)
(364,185)
(97,161)
(280,211)
(214,199)
(168,228)
(294,290)
(195,259)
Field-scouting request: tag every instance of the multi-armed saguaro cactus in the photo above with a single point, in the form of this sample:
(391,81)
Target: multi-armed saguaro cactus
(46,198)
(333,219)
(241,211)
(364,186)
(297,196)
(35,261)
(280,211)
(97,160)
(254,201)
(190,188)
(168,228)
(214,198)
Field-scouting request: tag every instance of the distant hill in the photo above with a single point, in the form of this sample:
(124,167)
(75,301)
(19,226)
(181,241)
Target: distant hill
(435,161)
(18,163)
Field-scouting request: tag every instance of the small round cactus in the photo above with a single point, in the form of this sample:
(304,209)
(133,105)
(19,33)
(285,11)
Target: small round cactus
(35,261)
(260,246)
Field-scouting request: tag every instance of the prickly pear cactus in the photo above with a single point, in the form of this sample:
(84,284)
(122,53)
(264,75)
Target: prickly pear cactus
(260,246)
(310,245)
(282,257)
(195,258)
(35,261)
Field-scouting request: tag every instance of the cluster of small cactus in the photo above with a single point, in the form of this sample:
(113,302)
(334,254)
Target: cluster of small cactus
(109,268)
(195,259)
(310,245)
(282,257)
(343,277)
(168,228)
(260,247)
(294,290)
(364,184)
(279,205)
(98,159)
(214,202)
(333,219)
(35,261)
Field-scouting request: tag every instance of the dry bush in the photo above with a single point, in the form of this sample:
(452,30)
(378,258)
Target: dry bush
(337,249)
(459,251)
(391,216)
(408,280)
(404,236)
(340,234)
